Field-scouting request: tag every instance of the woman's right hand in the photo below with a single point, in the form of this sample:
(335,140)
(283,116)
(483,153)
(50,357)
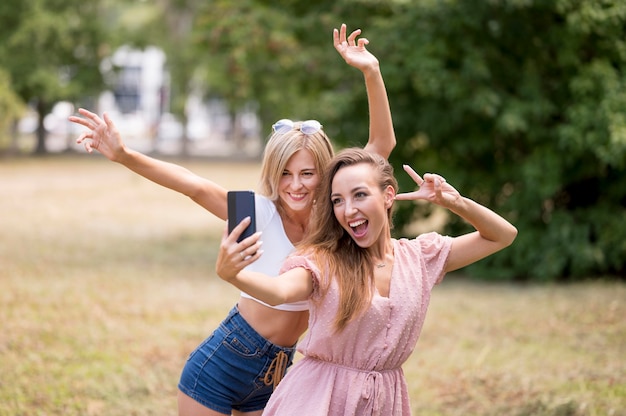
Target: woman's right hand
(234,256)
(102,135)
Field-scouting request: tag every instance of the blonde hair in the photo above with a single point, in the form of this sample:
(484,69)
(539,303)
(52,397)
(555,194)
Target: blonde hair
(281,147)
(332,246)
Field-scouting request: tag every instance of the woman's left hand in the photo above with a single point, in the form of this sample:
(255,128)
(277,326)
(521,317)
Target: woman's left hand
(234,256)
(432,188)
(352,50)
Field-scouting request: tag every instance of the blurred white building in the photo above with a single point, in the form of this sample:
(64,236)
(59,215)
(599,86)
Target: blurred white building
(139,83)
(139,103)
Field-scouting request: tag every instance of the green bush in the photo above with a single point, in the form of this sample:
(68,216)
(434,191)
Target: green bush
(522,106)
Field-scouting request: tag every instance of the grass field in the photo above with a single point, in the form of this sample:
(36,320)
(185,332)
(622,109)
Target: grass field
(107,283)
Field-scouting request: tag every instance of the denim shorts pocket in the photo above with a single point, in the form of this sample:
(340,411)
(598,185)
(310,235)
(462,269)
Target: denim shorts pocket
(238,343)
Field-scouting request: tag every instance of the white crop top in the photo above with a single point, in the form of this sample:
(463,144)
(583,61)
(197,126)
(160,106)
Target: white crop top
(276,248)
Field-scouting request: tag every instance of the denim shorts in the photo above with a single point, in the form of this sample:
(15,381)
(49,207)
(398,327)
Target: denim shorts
(226,371)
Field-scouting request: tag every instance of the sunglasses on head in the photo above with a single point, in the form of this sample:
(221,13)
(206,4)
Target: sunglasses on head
(307,127)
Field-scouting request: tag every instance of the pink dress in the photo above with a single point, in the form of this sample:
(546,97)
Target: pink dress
(358,371)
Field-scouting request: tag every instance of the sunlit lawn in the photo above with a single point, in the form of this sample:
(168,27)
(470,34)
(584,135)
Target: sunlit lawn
(107,283)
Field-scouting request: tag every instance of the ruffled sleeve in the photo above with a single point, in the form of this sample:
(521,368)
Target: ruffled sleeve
(307,263)
(435,250)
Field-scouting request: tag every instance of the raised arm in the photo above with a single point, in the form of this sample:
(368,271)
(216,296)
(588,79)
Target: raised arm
(102,135)
(493,233)
(382,138)
(292,286)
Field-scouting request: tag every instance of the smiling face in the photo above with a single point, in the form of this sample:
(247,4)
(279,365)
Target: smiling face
(298,182)
(360,205)
(280,149)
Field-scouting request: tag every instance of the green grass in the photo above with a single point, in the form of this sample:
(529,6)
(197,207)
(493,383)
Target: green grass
(107,283)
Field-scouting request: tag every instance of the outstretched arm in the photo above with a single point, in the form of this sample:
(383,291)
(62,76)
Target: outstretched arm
(291,286)
(493,233)
(102,135)
(382,138)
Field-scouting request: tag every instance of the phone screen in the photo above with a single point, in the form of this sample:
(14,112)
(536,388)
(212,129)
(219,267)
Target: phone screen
(240,206)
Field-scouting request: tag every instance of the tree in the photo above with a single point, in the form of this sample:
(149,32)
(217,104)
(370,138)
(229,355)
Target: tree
(51,50)
(10,105)
(521,104)
(278,55)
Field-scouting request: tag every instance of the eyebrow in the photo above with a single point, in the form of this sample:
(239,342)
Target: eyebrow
(301,170)
(353,190)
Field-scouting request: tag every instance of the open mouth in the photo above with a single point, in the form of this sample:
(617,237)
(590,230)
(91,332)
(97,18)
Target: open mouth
(359,228)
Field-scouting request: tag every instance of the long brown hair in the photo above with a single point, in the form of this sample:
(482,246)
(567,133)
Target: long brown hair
(333,247)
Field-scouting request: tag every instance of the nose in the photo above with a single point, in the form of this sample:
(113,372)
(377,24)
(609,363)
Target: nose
(296,183)
(349,209)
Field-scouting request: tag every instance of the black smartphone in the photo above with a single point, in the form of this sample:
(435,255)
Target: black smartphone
(240,206)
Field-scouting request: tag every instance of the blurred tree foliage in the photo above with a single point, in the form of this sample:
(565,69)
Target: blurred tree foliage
(263,52)
(520,104)
(11,106)
(50,50)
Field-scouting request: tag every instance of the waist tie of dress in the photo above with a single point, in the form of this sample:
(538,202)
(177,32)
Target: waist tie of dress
(371,385)
(276,370)
(371,388)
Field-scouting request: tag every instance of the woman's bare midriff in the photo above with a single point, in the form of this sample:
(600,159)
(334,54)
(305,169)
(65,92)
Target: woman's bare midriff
(282,328)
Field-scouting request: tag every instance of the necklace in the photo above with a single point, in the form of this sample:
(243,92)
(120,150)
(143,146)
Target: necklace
(381,265)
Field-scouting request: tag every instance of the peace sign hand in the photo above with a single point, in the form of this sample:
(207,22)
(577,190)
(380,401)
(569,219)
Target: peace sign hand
(432,188)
